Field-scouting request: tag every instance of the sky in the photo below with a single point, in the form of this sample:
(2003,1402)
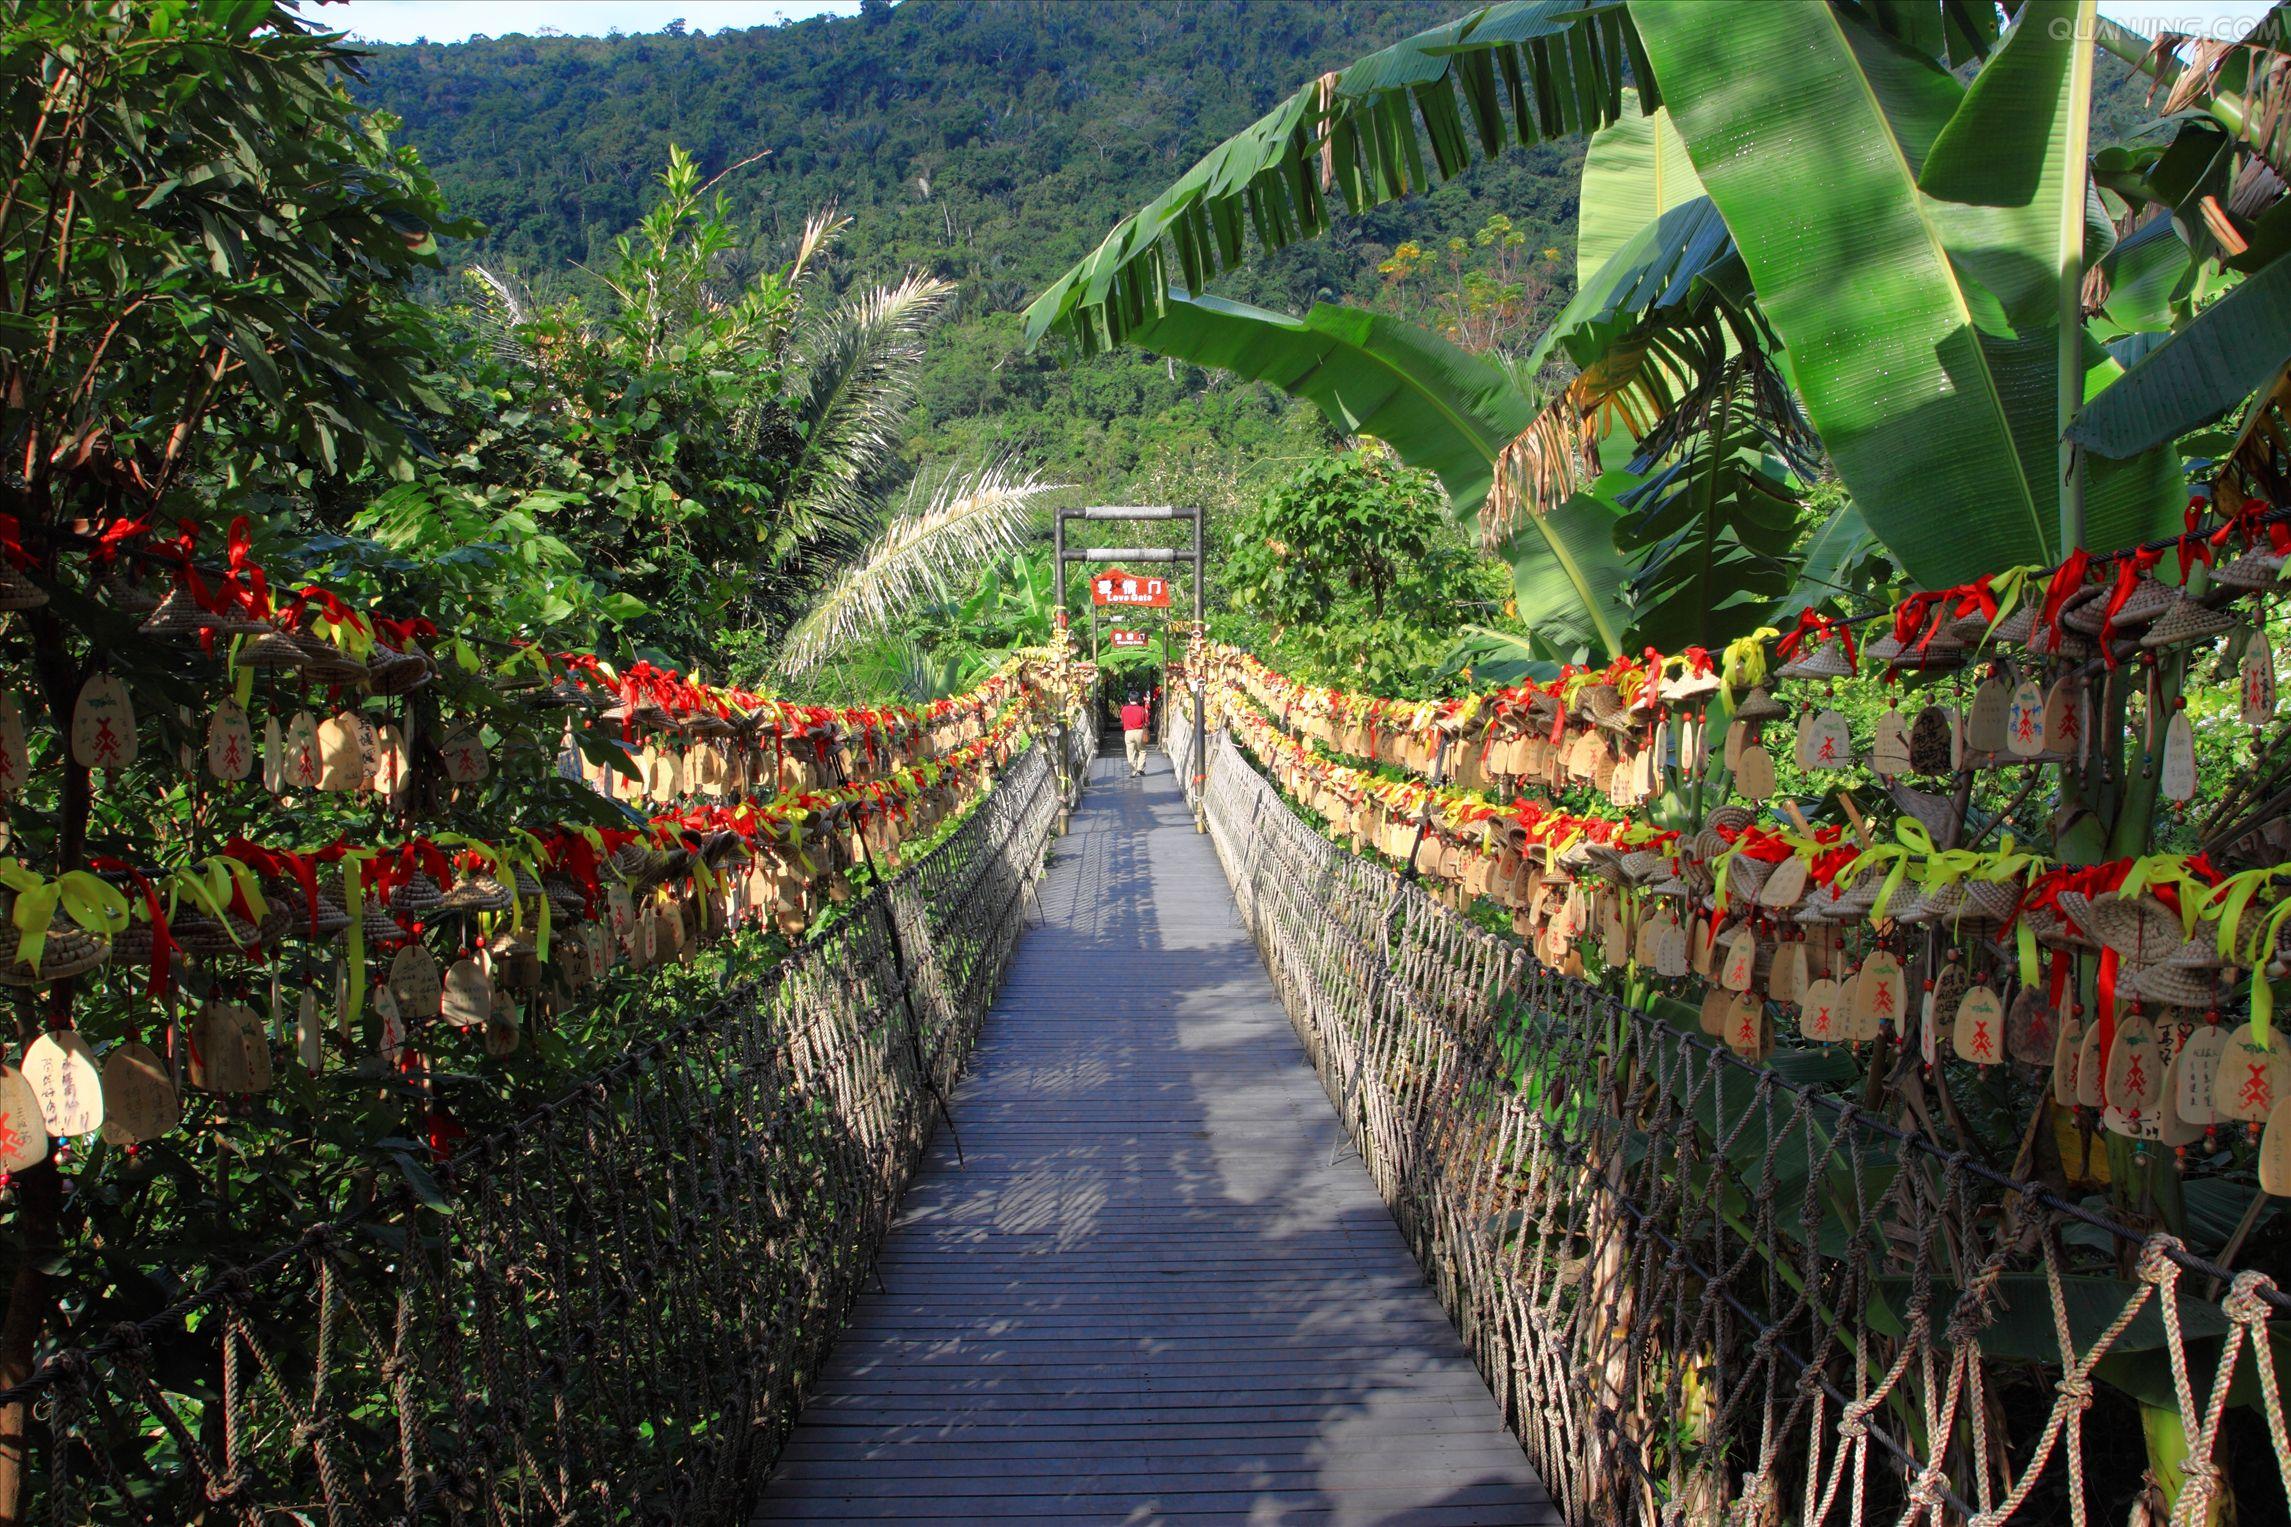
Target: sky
(455,20)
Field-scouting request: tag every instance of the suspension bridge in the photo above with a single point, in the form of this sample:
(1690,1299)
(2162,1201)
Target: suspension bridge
(1145,1275)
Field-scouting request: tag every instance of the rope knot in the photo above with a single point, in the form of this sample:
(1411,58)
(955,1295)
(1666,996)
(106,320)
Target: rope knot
(2246,1301)
(2077,1387)
(1931,1489)
(2200,1485)
(2157,1261)
(1853,1421)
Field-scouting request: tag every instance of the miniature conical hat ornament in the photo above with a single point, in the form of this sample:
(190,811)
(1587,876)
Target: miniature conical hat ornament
(2176,774)
(23,1137)
(1977,1033)
(139,1101)
(2256,681)
(103,724)
(1822,1011)
(301,766)
(2195,1072)
(63,1074)
(2024,721)
(15,758)
(230,741)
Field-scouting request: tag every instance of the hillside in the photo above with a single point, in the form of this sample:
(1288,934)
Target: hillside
(991,142)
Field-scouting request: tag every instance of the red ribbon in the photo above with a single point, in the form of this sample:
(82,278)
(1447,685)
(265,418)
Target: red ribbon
(1812,624)
(163,945)
(2128,575)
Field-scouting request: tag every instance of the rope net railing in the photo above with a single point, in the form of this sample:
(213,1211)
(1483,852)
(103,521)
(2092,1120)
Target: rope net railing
(607,1311)
(1710,1288)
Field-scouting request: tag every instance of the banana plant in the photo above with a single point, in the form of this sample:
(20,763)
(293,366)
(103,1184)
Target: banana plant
(1896,238)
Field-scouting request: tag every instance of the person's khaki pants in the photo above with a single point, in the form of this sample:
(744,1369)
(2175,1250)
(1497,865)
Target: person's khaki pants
(1133,742)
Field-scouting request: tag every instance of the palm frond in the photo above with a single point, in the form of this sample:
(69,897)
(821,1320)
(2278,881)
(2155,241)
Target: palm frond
(502,309)
(921,553)
(855,368)
(819,230)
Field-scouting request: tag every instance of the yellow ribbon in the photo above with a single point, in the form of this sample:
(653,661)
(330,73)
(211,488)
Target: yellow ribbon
(91,902)
(1743,665)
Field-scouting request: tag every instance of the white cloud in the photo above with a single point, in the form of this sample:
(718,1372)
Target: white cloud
(382,21)
(2194,18)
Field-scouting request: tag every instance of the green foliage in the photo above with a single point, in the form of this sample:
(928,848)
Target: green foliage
(1355,574)
(989,145)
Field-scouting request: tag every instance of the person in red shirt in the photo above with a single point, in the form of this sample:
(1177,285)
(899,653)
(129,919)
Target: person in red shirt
(1134,733)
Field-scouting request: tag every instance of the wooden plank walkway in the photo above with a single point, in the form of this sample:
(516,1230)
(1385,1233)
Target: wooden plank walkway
(1162,1289)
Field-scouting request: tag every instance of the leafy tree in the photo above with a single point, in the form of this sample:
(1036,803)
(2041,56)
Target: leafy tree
(1355,572)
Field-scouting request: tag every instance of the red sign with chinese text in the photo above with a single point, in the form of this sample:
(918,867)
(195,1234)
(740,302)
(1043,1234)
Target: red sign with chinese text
(1124,638)
(1113,586)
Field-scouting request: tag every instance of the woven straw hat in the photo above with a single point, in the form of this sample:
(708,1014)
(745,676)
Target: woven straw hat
(1731,818)
(2185,622)
(1937,812)
(2141,928)
(2177,985)
(378,926)
(1758,706)
(480,892)
(1819,660)
(201,934)
(2149,598)
(2256,571)
(416,896)
(18,592)
(69,951)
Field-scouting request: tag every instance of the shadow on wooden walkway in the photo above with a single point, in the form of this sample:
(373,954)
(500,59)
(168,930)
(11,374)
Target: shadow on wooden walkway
(1162,1289)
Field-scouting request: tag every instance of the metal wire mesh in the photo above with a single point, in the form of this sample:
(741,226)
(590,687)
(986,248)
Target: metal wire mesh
(1706,1291)
(614,1313)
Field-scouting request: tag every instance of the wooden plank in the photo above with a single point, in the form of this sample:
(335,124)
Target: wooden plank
(1162,1287)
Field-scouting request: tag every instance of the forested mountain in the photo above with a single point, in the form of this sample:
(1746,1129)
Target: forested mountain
(989,141)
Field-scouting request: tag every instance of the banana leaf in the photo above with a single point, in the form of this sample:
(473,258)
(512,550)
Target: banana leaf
(1438,407)
(1635,170)
(1917,325)
(1521,71)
